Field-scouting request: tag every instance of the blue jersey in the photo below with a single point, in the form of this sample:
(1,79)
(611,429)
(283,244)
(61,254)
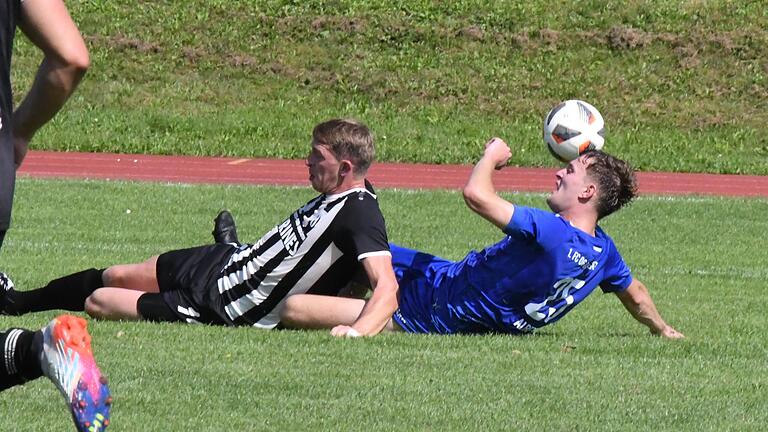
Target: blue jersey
(540,271)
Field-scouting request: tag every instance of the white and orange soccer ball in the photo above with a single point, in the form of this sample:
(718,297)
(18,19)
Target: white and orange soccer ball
(573,127)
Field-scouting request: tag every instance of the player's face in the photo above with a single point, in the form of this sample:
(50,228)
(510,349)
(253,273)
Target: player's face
(324,168)
(570,183)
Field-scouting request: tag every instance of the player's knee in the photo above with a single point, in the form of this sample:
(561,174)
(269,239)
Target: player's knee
(101,305)
(95,306)
(115,276)
(110,276)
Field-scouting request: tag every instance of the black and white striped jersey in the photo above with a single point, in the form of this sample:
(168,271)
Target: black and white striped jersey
(317,249)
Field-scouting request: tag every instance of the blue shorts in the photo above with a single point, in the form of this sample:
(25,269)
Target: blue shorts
(416,274)
(411,264)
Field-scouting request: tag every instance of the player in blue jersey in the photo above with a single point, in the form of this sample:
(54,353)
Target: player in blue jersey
(547,263)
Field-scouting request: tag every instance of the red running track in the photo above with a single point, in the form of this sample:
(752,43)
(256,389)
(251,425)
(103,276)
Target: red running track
(187,169)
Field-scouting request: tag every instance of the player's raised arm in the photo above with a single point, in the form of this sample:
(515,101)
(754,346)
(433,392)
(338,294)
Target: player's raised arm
(383,302)
(479,192)
(638,302)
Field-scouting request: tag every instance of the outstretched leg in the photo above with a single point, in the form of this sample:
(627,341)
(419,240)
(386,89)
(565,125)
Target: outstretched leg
(139,277)
(123,286)
(70,292)
(114,304)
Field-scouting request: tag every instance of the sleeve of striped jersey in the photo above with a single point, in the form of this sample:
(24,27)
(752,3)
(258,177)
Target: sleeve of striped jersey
(543,227)
(617,274)
(361,231)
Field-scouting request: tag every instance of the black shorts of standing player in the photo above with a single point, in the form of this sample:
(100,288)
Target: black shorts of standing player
(7,178)
(184,277)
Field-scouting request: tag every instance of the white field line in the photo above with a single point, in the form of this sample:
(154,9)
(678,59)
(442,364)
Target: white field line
(735,272)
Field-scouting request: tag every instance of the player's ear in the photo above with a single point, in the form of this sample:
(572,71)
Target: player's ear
(589,191)
(345,167)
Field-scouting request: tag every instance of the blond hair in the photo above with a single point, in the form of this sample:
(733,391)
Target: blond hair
(347,139)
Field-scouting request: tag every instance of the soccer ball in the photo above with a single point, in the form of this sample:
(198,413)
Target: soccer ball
(573,127)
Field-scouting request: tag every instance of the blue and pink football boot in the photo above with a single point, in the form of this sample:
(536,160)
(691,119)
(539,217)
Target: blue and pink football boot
(68,361)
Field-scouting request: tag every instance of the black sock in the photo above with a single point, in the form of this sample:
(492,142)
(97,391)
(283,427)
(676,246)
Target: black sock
(2,237)
(68,292)
(20,357)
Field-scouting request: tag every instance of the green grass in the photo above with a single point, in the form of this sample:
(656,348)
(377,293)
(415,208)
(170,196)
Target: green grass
(597,369)
(682,85)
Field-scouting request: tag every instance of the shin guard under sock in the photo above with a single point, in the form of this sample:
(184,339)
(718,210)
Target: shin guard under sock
(68,293)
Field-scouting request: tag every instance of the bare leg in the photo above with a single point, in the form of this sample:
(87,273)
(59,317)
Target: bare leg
(114,304)
(124,284)
(308,311)
(139,277)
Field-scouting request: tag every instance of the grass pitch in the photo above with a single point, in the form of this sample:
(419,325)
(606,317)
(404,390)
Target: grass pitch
(597,369)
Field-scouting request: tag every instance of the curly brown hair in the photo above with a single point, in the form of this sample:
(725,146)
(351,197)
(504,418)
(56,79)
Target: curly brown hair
(616,181)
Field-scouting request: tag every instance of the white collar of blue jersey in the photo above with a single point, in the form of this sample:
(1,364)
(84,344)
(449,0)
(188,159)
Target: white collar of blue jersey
(598,231)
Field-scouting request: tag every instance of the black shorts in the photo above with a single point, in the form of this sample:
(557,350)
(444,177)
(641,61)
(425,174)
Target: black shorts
(187,281)
(7,179)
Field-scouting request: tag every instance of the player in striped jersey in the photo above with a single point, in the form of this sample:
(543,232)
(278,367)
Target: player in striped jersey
(317,249)
(546,265)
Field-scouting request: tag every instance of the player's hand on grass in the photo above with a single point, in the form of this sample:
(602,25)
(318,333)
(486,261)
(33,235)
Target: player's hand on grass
(344,331)
(669,333)
(498,151)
